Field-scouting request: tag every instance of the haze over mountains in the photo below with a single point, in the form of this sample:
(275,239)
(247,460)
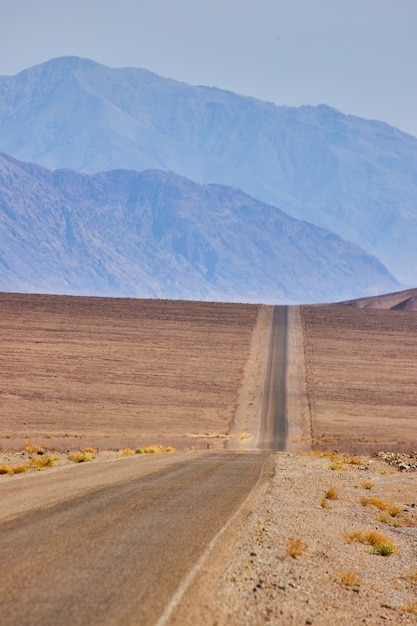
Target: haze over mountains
(156,234)
(355,177)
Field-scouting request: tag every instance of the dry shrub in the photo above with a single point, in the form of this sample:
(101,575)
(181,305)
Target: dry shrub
(380,544)
(44,461)
(126,452)
(349,578)
(6,469)
(410,608)
(325,503)
(338,465)
(412,576)
(355,460)
(81,457)
(20,469)
(331,494)
(91,451)
(243,436)
(155,449)
(31,448)
(383,505)
(366,483)
(295,546)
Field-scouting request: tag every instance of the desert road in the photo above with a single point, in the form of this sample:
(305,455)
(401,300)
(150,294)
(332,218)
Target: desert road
(116,554)
(112,544)
(273,428)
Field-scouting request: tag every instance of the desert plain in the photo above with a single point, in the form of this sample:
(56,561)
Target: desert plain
(114,374)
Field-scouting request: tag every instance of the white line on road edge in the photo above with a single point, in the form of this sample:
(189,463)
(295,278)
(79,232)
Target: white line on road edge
(187,580)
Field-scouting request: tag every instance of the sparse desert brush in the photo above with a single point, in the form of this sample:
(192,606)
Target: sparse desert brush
(81,457)
(295,547)
(157,449)
(6,469)
(126,452)
(91,451)
(383,505)
(338,465)
(331,494)
(355,460)
(30,448)
(349,578)
(243,436)
(380,544)
(324,503)
(366,483)
(20,469)
(410,608)
(44,461)
(412,575)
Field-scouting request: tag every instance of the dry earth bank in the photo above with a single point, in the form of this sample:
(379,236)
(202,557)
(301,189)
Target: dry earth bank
(112,373)
(361,378)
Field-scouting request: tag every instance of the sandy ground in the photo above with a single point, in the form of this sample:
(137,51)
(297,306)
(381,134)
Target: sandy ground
(112,373)
(361,378)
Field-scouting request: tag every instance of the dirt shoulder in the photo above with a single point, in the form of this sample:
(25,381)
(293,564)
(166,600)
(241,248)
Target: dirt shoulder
(253,580)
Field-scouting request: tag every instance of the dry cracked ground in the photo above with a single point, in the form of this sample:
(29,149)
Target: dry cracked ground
(327,537)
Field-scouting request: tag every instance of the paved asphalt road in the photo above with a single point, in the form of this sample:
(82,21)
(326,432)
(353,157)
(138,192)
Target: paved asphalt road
(114,554)
(273,431)
(117,554)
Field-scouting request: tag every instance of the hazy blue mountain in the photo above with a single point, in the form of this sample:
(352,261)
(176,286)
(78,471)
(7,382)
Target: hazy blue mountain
(156,234)
(355,177)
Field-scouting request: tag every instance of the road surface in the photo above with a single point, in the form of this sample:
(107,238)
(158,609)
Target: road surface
(116,554)
(273,429)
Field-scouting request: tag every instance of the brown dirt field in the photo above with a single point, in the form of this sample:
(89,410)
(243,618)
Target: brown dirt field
(110,373)
(361,378)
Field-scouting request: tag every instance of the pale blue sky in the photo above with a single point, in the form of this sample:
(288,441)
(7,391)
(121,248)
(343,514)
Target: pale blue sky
(359,56)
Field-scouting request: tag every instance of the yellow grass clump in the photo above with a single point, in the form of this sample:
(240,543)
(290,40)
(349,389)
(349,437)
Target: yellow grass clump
(412,575)
(355,460)
(155,449)
(366,483)
(243,436)
(81,457)
(349,578)
(30,448)
(380,544)
(20,469)
(44,461)
(6,469)
(338,465)
(410,608)
(331,494)
(383,505)
(295,547)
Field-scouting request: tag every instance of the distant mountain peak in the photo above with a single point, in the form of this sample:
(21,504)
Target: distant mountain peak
(354,177)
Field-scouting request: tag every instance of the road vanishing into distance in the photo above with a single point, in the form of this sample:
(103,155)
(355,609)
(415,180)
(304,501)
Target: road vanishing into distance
(110,543)
(273,429)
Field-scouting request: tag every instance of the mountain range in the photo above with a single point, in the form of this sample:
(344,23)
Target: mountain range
(354,177)
(157,234)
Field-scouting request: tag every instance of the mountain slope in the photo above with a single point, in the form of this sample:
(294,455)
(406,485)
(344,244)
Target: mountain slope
(155,234)
(405,300)
(354,177)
